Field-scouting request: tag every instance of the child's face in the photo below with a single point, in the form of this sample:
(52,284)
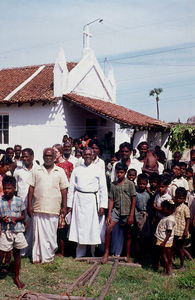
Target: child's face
(179,199)
(166,211)
(189,174)
(8,190)
(113,160)
(131,175)
(120,174)
(125,153)
(154,184)
(142,184)
(162,189)
(177,171)
(183,170)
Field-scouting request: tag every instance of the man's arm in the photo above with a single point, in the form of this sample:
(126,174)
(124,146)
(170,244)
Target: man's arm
(30,198)
(132,210)
(110,207)
(64,201)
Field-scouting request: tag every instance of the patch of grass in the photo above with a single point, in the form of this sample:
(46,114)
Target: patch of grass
(129,283)
(187,281)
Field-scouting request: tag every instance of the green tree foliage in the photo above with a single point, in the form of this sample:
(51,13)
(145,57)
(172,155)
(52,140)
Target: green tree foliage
(181,137)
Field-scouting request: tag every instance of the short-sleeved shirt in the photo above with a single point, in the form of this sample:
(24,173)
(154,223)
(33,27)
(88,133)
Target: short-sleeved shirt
(121,195)
(181,213)
(17,206)
(167,223)
(158,201)
(47,189)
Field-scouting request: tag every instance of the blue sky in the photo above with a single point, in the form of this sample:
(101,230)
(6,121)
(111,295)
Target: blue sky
(150,44)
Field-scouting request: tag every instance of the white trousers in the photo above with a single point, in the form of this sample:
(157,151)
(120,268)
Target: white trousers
(44,237)
(82,249)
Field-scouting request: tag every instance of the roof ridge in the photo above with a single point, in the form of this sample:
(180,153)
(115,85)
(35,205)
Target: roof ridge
(36,66)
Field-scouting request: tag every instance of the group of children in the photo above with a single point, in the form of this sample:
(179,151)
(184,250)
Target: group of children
(152,210)
(152,217)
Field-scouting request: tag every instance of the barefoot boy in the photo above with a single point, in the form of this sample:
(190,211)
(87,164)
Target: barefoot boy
(182,217)
(121,208)
(12,216)
(165,234)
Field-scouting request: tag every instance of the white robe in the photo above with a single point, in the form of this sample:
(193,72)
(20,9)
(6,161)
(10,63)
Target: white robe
(85,228)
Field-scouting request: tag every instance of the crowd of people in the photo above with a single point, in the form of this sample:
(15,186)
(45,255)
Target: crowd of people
(133,202)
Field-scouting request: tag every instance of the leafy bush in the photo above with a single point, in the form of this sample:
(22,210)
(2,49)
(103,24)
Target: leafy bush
(181,137)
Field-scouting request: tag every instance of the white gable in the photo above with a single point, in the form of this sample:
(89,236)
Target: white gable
(86,79)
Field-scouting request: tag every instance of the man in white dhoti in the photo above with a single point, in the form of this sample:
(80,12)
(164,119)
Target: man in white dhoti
(48,185)
(22,174)
(86,184)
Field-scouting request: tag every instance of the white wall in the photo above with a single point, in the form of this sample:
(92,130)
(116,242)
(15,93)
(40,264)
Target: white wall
(38,126)
(35,126)
(121,135)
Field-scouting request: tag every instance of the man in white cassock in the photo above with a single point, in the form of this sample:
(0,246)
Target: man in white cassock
(87,199)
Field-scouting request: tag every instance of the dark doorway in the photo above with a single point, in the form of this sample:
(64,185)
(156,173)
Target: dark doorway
(91,127)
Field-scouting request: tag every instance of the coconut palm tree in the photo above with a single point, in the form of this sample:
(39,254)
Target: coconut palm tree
(156,92)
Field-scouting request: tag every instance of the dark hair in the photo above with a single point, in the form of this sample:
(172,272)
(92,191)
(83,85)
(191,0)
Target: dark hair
(119,166)
(168,205)
(9,180)
(18,146)
(177,153)
(142,177)
(125,145)
(168,172)
(189,170)
(29,150)
(192,151)
(132,170)
(176,164)
(76,141)
(180,191)
(9,148)
(78,151)
(96,142)
(6,160)
(165,179)
(154,176)
(182,164)
(141,144)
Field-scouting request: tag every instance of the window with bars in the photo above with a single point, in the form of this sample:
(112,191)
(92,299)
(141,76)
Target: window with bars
(4,129)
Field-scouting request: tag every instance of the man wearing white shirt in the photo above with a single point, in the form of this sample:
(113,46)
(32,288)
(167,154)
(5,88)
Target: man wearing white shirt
(86,184)
(22,173)
(67,154)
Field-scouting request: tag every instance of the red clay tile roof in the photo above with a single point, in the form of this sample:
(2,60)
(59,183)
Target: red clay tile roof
(117,113)
(38,89)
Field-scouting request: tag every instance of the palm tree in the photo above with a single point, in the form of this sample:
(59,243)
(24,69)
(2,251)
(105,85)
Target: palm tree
(156,92)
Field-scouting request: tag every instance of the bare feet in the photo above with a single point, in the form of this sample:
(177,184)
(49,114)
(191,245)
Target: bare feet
(127,259)
(181,269)
(36,262)
(59,255)
(104,259)
(19,284)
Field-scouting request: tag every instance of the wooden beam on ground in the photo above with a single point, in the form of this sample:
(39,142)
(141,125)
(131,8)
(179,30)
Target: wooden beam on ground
(125,264)
(82,277)
(108,284)
(111,258)
(94,276)
(90,274)
(37,296)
